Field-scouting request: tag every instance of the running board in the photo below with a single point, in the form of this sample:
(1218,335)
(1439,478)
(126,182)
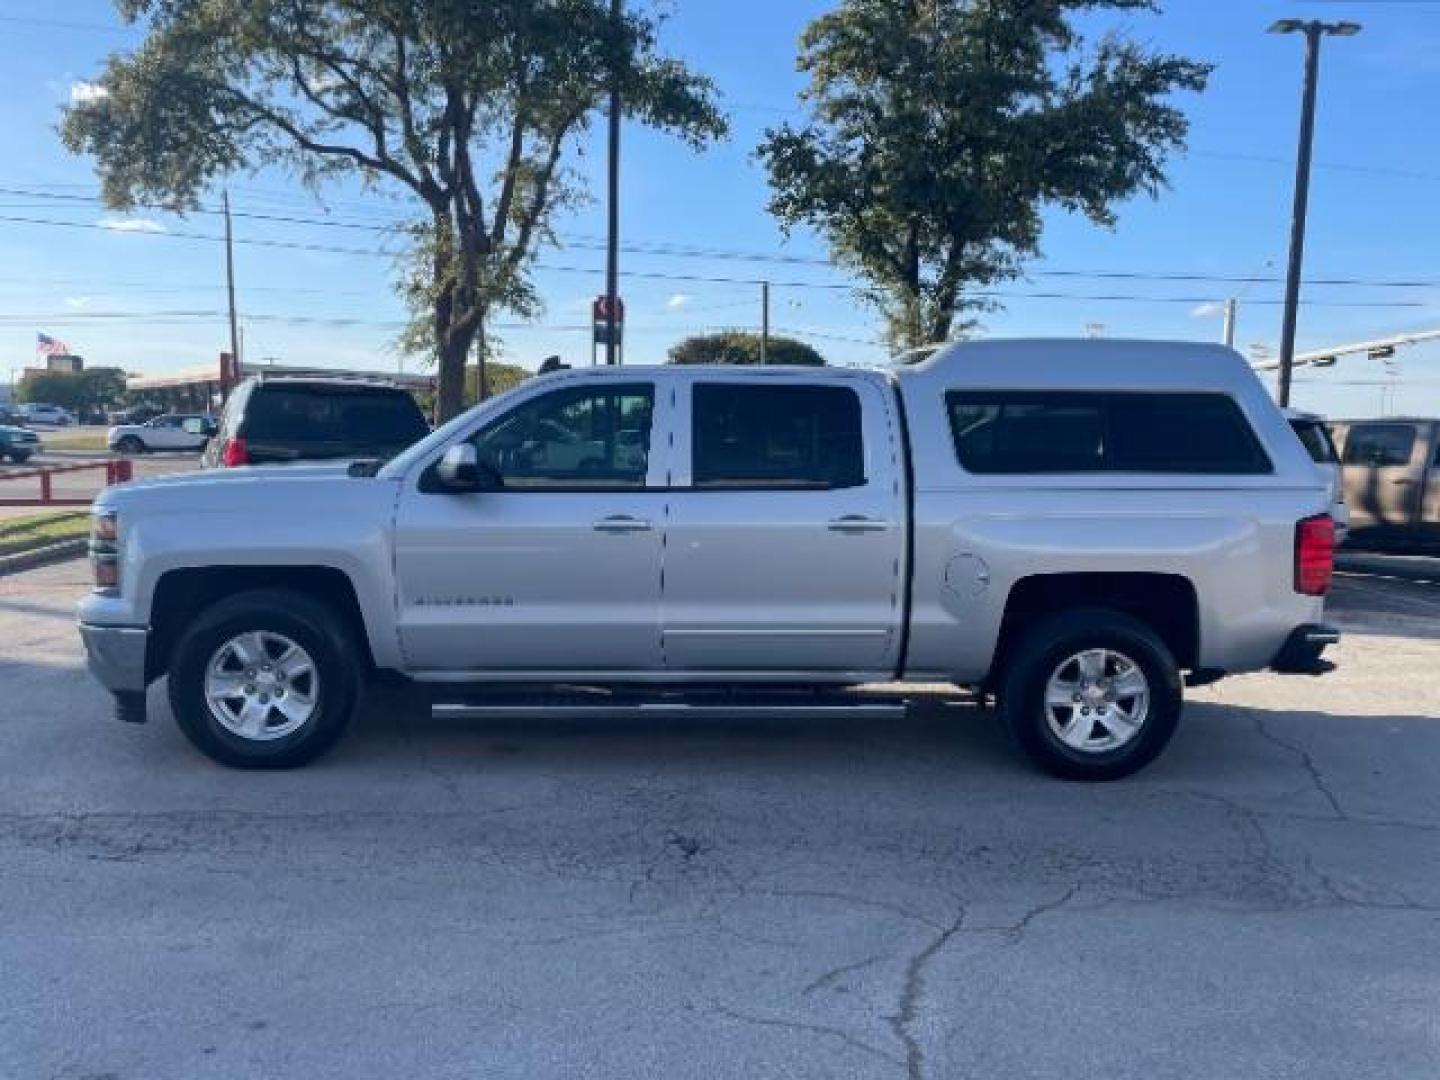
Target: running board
(830,707)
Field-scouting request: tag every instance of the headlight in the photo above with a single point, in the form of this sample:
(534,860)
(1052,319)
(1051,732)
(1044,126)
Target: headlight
(105,550)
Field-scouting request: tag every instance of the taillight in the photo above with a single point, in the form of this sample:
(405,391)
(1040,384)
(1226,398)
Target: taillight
(235,453)
(1314,555)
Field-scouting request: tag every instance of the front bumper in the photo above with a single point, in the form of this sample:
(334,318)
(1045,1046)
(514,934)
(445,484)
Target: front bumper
(116,656)
(1302,653)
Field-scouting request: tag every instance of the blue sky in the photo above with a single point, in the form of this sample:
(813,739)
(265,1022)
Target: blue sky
(151,301)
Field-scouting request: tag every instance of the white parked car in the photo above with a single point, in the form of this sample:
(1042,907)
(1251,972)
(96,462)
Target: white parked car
(174,432)
(39,413)
(1079,527)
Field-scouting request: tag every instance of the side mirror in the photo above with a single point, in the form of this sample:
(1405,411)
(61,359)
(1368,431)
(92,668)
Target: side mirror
(461,470)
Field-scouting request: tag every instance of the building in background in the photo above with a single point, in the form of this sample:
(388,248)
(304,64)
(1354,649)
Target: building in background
(59,364)
(204,389)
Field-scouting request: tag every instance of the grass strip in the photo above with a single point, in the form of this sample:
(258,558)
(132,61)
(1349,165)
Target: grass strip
(23,534)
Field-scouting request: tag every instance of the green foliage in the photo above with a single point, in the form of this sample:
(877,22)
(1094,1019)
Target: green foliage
(92,390)
(742,347)
(498,378)
(464,107)
(940,130)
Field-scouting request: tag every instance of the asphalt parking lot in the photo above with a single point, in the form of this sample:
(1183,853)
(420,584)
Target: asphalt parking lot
(446,899)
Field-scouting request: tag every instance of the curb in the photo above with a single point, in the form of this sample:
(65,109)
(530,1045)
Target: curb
(44,556)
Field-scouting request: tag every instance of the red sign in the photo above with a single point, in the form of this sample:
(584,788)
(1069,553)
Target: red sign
(602,310)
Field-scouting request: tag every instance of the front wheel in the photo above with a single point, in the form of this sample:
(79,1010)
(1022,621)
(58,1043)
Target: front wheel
(1091,695)
(19,457)
(265,680)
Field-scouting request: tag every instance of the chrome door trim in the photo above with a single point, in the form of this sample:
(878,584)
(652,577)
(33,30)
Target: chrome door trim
(819,632)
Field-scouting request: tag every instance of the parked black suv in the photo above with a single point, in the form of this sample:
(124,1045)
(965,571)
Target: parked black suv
(270,421)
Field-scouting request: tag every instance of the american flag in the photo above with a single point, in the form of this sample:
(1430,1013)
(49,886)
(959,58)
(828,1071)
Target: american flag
(46,345)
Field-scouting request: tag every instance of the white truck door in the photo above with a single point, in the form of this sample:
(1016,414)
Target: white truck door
(786,543)
(559,570)
(162,433)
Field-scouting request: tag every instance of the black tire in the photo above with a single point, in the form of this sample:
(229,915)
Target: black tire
(19,457)
(1040,653)
(313,626)
(131,444)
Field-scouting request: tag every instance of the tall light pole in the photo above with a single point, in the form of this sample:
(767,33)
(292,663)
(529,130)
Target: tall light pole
(1313,30)
(612,253)
(230,286)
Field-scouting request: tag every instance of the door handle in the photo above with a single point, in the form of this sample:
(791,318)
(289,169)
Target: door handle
(623,523)
(856,523)
(1402,482)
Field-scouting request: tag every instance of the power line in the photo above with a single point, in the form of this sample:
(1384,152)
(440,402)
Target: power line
(1335,166)
(675,250)
(717,280)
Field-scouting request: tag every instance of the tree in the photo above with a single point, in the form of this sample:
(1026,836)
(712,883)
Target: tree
(498,378)
(90,391)
(466,107)
(940,130)
(742,347)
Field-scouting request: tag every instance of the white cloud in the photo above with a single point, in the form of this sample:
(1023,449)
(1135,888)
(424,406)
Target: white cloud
(679,301)
(75,303)
(1205,311)
(83,93)
(131,224)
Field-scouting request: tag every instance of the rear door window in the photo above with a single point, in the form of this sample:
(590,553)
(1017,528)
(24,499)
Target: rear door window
(1380,446)
(1070,432)
(779,436)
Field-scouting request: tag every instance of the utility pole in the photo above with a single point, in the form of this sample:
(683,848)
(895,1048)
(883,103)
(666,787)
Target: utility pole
(764,322)
(230,286)
(612,254)
(1230,306)
(1313,30)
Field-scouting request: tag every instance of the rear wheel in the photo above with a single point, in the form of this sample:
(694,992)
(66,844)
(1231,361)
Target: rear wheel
(265,680)
(1091,695)
(130,444)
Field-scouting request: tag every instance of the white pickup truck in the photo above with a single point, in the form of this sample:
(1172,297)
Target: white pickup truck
(1077,527)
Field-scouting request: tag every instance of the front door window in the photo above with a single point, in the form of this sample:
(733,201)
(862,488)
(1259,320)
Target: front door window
(581,437)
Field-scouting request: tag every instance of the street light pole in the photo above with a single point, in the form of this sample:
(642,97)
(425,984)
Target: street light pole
(612,253)
(230,286)
(1313,30)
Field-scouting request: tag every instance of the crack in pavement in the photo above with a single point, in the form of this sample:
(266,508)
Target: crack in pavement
(1316,777)
(812,1029)
(1016,931)
(827,978)
(912,998)
(844,898)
